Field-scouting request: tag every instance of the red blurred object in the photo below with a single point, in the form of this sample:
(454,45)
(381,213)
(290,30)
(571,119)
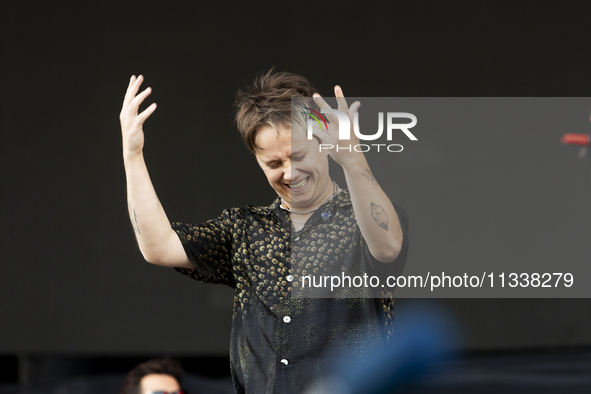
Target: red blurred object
(575,139)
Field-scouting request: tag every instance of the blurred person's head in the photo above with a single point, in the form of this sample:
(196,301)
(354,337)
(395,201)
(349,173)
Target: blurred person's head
(154,376)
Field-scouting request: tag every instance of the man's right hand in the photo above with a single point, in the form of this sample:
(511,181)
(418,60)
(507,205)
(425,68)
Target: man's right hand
(131,122)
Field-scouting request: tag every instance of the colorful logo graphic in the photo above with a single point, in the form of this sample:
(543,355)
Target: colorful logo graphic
(344,127)
(310,114)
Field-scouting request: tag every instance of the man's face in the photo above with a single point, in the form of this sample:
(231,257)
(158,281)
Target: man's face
(159,382)
(295,168)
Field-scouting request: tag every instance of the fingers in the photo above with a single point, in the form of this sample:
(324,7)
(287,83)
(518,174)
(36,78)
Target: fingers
(132,89)
(139,99)
(320,101)
(354,108)
(145,114)
(341,101)
(132,102)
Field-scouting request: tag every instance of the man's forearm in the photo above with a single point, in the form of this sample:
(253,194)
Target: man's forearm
(374,212)
(157,241)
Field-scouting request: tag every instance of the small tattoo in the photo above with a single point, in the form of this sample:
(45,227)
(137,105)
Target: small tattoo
(136,225)
(133,217)
(369,176)
(379,215)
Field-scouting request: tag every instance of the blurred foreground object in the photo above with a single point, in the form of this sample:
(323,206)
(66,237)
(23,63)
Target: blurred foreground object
(422,338)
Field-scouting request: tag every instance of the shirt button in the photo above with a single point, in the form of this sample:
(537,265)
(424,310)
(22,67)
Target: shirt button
(290,278)
(286,319)
(296,239)
(284,361)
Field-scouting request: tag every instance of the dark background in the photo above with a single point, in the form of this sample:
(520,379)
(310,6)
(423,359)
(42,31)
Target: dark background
(71,278)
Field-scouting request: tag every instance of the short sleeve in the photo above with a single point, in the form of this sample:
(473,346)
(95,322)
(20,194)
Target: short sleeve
(209,248)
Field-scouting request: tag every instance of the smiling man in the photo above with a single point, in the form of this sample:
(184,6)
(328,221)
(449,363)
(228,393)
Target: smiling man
(297,171)
(280,340)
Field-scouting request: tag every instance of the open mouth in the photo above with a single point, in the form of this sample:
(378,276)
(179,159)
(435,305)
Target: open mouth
(299,185)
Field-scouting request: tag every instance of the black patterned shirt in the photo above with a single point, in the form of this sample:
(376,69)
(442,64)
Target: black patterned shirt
(281,343)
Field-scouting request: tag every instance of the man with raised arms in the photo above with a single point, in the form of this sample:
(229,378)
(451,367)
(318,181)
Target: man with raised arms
(279,341)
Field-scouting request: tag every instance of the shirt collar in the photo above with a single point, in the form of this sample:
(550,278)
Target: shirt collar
(343,199)
(265,211)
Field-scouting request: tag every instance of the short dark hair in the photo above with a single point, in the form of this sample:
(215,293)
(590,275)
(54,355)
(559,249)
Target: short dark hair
(268,103)
(164,366)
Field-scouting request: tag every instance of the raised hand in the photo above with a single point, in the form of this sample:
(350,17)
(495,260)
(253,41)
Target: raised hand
(331,136)
(132,123)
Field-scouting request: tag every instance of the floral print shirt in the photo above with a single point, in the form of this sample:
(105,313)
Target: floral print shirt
(282,342)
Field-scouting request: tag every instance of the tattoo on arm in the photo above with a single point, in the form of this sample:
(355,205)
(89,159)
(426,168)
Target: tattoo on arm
(133,217)
(379,215)
(369,176)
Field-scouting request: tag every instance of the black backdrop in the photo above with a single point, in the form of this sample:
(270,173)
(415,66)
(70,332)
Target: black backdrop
(71,278)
